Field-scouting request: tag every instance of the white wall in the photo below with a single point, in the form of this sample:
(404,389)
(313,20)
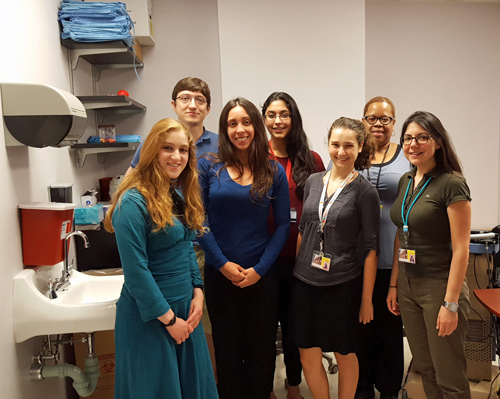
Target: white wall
(186,44)
(30,53)
(439,57)
(444,58)
(313,50)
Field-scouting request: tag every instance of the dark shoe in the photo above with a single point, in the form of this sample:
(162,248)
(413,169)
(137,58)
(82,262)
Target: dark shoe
(388,396)
(365,394)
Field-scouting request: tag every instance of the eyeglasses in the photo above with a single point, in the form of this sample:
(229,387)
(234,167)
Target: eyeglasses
(187,100)
(420,139)
(284,116)
(384,120)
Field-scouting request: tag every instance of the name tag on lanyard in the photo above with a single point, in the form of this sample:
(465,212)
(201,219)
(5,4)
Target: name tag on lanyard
(405,254)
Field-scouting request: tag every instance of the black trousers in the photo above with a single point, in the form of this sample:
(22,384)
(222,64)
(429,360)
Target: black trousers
(244,324)
(381,359)
(291,354)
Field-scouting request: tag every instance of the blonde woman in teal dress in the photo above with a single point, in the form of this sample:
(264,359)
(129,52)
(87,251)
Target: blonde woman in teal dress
(161,350)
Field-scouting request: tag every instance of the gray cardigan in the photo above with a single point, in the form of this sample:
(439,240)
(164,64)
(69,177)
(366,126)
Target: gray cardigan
(351,231)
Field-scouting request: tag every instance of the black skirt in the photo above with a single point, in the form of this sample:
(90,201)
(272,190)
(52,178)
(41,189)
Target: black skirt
(326,317)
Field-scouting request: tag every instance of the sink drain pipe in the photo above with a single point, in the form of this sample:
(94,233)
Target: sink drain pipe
(83,382)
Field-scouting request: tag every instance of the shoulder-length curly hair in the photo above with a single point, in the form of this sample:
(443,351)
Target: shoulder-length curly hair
(262,169)
(363,161)
(297,145)
(151,180)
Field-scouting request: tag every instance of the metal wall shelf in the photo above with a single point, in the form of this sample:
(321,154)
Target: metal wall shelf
(118,104)
(101,149)
(102,55)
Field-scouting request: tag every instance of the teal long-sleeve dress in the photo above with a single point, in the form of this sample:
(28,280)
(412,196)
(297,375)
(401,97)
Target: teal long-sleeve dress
(161,272)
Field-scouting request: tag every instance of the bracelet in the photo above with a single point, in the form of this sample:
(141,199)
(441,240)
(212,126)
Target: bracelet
(171,322)
(393,286)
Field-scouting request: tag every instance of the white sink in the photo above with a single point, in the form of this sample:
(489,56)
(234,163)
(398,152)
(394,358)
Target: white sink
(87,305)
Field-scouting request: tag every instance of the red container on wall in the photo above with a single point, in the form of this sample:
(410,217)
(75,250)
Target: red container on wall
(44,228)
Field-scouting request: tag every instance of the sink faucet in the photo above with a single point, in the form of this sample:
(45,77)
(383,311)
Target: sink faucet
(63,282)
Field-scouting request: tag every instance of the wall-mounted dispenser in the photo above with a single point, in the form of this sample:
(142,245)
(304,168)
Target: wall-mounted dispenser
(39,115)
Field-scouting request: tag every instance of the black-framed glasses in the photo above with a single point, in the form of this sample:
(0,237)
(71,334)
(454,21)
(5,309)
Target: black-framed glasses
(384,120)
(284,116)
(420,139)
(185,99)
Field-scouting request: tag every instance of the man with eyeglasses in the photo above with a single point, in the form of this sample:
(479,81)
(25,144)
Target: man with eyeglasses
(191,103)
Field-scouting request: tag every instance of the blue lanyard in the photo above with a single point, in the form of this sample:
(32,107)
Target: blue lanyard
(406,231)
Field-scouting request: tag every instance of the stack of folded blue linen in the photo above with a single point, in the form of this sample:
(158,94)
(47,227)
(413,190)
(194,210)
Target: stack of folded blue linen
(95,22)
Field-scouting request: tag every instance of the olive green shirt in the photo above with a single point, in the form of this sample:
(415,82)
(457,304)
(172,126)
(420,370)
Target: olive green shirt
(428,222)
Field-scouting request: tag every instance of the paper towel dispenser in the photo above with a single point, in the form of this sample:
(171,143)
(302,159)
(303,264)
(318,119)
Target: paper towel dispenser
(39,115)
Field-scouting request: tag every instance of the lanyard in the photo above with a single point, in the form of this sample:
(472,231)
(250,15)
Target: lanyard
(406,230)
(324,215)
(380,169)
(288,163)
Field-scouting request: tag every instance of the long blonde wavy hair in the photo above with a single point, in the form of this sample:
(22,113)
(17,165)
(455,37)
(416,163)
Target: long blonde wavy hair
(153,183)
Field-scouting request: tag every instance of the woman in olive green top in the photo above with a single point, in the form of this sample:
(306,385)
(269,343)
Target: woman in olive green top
(432,213)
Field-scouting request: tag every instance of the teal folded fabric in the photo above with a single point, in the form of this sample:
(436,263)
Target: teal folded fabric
(128,138)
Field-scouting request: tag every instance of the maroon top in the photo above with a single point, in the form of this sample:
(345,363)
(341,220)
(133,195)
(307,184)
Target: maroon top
(289,250)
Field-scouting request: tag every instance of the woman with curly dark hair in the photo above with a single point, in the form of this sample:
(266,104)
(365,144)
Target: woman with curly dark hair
(336,263)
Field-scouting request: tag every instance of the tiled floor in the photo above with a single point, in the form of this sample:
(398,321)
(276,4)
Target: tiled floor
(279,378)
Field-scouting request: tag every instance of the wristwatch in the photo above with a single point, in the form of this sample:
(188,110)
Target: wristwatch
(451,306)
(171,322)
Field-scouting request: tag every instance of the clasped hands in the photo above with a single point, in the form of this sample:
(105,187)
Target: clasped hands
(239,276)
(181,330)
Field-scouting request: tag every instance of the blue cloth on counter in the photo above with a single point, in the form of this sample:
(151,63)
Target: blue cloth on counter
(89,214)
(95,21)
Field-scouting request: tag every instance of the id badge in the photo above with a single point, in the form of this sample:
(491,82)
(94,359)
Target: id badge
(407,256)
(321,261)
(293,215)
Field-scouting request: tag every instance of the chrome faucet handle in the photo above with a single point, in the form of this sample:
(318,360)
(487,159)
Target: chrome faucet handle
(51,293)
(71,267)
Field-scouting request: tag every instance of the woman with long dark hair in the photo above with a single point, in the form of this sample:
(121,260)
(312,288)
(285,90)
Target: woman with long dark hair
(290,147)
(239,186)
(428,285)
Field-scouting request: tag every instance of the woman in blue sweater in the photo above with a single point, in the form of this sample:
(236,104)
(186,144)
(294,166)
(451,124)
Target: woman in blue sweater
(239,185)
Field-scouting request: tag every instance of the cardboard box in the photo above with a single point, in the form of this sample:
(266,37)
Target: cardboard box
(138,51)
(141,14)
(479,390)
(105,349)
